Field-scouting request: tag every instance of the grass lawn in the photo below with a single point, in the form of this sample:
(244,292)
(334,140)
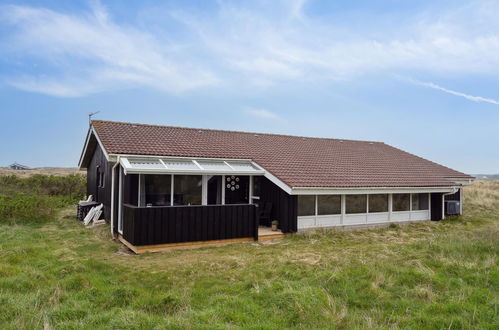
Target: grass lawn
(427,275)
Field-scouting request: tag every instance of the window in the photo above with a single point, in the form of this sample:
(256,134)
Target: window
(401,202)
(328,204)
(356,203)
(187,189)
(257,186)
(214,190)
(99,177)
(157,190)
(420,202)
(236,189)
(306,205)
(378,203)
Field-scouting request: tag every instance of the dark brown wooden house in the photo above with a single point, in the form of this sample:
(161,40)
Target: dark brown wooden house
(171,185)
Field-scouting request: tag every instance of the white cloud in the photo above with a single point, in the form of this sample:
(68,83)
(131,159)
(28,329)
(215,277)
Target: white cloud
(297,8)
(263,47)
(262,113)
(90,53)
(449,91)
(238,46)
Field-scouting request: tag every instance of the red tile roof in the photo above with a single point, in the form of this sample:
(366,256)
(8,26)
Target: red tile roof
(297,161)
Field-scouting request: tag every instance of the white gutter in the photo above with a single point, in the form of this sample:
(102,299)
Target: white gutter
(454,190)
(112,196)
(462,181)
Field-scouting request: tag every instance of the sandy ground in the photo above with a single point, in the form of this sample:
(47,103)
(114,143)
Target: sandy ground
(42,170)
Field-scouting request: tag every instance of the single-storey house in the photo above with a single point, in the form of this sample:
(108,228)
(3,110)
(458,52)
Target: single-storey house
(19,167)
(164,185)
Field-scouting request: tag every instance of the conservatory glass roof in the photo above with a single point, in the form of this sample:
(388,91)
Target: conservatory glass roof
(158,165)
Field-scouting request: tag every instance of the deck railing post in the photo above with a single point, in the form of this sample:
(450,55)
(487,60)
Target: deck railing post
(257,221)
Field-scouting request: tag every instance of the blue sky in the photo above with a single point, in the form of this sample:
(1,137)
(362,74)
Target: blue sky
(420,75)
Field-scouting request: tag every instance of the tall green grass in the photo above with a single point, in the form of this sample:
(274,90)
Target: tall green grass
(36,199)
(71,187)
(428,275)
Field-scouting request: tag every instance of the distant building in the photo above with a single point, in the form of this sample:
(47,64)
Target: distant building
(17,166)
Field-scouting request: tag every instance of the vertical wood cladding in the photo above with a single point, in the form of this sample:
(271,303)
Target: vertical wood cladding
(175,224)
(97,165)
(284,206)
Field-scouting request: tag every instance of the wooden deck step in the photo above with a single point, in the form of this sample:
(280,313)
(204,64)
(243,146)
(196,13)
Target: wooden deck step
(265,234)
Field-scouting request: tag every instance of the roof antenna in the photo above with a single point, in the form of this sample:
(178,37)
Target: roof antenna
(90,117)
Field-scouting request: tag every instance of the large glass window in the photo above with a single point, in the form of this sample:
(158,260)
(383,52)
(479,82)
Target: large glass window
(214,189)
(157,189)
(328,204)
(420,202)
(187,189)
(306,205)
(356,203)
(131,191)
(236,189)
(378,203)
(401,202)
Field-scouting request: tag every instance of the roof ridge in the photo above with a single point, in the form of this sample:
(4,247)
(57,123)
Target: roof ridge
(234,131)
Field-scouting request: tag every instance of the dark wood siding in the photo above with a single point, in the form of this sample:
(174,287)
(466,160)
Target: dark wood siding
(284,206)
(99,163)
(175,224)
(436,206)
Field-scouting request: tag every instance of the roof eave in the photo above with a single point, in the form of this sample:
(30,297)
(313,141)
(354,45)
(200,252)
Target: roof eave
(371,190)
(85,152)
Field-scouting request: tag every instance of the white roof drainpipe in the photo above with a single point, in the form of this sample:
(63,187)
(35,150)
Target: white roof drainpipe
(454,190)
(112,195)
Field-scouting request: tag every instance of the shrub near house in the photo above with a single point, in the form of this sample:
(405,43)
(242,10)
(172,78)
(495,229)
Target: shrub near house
(36,198)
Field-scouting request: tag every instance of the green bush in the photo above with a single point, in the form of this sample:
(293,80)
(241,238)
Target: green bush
(36,198)
(29,208)
(70,186)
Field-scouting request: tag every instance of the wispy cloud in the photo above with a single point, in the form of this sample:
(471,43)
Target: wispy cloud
(90,53)
(261,113)
(450,91)
(276,49)
(236,45)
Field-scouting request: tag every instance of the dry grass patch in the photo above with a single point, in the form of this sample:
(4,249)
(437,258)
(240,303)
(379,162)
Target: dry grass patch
(483,195)
(57,171)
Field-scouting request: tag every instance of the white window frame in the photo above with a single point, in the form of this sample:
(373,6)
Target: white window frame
(390,214)
(204,189)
